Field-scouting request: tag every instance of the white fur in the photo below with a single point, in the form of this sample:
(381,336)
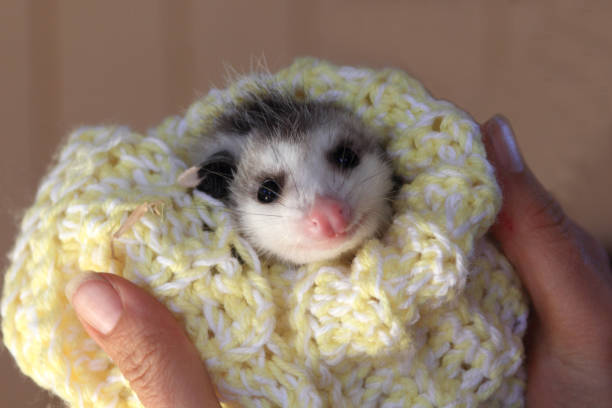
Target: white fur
(275,228)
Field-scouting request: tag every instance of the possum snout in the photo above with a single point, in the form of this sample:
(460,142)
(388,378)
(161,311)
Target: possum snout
(328,218)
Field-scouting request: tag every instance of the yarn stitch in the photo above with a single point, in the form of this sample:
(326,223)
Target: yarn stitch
(429,315)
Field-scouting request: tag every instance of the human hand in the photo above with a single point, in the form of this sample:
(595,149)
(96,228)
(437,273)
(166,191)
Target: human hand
(565,271)
(144,340)
(567,275)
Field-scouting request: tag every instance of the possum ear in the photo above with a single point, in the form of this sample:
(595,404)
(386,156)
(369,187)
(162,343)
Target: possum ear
(213,176)
(398,182)
(189,178)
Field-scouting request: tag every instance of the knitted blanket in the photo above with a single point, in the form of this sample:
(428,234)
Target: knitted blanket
(429,315)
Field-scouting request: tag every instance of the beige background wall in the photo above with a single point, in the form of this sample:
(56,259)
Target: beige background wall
(547,65)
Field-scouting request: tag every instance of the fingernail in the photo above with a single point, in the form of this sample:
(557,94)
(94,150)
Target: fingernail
(504,145)
(95,301)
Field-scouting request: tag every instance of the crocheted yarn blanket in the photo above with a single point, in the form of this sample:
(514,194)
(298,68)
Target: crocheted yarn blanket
(429,315)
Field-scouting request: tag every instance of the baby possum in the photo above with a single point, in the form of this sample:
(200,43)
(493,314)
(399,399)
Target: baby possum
(305,181)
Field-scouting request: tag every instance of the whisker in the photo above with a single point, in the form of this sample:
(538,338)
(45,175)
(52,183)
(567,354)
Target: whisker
(217,174)
(291,175)
(233,210)
(361,183)
(390,199)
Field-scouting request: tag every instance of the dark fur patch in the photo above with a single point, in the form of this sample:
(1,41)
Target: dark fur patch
(216,174)
(398,183)
(274,114)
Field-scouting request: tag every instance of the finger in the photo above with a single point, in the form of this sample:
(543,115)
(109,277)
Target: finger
(557,265)
(144,340)
(596,252)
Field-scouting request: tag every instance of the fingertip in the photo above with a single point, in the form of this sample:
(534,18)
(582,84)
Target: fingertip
(75,282)
(501,145)
(519,187)
(95,301)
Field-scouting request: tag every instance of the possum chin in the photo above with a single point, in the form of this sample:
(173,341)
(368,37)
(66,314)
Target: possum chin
(309,250)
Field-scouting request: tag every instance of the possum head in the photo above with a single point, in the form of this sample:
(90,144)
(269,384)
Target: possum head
(305,181)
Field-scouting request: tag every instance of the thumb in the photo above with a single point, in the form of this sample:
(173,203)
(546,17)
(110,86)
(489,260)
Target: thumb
(143,339)
(557,261)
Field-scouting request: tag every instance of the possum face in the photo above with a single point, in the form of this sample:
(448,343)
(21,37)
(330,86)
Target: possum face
(312,188)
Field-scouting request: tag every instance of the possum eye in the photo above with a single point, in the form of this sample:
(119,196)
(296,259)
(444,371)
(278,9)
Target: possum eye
(343,157)
(268,191)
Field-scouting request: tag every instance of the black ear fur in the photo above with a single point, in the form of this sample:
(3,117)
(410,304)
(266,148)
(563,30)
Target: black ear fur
(216,174)
(398,182)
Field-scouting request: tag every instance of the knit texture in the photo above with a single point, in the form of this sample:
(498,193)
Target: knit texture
(429,315)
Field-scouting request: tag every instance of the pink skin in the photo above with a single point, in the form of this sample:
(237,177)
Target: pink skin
(328,218)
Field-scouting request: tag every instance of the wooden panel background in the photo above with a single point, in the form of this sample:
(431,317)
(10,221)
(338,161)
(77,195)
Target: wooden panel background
(546,65)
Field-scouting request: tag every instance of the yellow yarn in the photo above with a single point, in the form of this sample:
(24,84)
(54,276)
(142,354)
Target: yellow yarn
(430,315)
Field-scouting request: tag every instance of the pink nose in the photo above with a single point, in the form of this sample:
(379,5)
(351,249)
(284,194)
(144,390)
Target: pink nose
(327,218)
